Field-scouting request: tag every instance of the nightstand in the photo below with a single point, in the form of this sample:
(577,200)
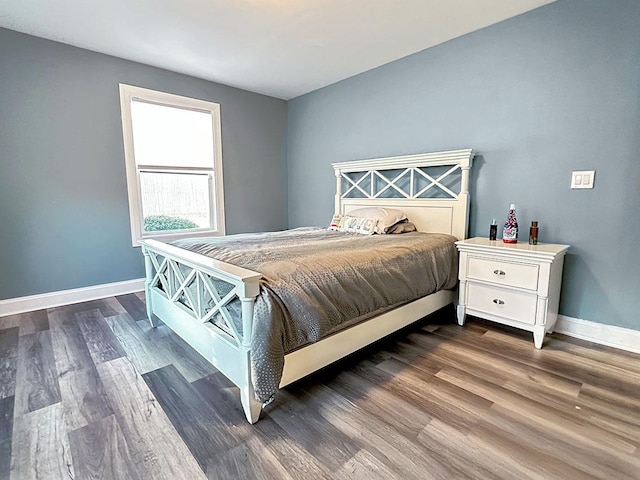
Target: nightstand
(515,284)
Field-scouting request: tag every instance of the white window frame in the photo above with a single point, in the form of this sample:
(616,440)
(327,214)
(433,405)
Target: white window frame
(216,201)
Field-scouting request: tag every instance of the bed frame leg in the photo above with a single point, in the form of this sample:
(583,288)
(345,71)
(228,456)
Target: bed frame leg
(251,406)
(148,266)
(153,320)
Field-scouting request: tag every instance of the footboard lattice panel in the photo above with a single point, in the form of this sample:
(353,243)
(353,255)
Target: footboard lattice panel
(205,298)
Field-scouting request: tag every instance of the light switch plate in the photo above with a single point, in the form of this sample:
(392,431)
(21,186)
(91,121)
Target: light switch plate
(582,179)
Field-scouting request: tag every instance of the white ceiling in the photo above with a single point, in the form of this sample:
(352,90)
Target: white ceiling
(282,48)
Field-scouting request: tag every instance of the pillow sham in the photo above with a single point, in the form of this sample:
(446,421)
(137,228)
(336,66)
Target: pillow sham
(385,217)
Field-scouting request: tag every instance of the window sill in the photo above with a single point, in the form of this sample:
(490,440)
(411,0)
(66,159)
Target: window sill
(171,236)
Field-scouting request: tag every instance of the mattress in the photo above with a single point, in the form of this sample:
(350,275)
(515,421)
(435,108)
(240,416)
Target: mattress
(316,282)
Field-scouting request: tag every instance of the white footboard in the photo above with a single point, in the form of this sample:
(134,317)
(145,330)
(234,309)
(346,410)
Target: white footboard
(183,290)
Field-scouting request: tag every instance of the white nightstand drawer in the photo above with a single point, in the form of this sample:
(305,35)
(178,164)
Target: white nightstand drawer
(505,273)
(505,303)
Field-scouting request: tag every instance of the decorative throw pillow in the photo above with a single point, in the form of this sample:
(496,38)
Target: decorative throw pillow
(385,217)
(335,222)
(364,226)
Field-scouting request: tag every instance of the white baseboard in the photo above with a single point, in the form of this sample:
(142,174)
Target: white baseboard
(66,297)
(617,337)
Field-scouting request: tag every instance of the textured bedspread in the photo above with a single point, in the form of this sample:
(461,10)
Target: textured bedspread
(316,281)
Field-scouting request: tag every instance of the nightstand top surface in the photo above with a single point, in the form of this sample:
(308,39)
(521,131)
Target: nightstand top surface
(521,247)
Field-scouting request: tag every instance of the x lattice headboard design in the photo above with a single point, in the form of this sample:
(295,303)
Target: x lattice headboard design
(432,188)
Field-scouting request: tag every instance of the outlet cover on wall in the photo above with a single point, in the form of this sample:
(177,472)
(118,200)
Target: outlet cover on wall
(582,179)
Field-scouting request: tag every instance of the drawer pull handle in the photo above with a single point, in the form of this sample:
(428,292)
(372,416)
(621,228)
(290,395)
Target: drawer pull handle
(499,272)
(497,301)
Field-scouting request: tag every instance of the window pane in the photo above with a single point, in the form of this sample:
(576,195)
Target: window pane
(171,136)
(173,201)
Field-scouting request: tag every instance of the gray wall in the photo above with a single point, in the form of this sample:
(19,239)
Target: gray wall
(537,96)
(64,219)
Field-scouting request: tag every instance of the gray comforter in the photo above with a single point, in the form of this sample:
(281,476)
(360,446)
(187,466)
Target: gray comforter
(316,282)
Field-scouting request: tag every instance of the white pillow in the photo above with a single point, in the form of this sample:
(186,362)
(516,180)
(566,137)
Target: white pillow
(385,217)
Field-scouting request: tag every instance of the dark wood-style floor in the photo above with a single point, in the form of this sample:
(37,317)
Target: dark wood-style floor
(91,391)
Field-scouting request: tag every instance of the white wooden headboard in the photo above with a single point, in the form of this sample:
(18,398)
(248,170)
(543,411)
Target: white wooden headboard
(406,184)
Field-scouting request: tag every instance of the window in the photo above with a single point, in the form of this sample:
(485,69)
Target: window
(173,156)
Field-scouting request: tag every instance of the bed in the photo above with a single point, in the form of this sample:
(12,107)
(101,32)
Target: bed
(217,306)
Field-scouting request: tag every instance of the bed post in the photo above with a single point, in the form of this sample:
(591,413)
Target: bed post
(463,196)
(251,406)
(338,207)
(148,268)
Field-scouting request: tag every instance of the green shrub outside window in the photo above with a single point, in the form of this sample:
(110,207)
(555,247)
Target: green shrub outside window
(155,223)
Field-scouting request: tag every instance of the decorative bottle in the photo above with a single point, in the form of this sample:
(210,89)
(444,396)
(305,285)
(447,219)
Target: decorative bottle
(510,230)
(493,230)
(533,233)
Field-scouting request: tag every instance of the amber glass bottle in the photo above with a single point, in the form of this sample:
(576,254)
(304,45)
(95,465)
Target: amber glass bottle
(533,233)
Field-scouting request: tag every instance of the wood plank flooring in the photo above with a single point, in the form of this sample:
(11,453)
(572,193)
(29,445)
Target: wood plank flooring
(91,391)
